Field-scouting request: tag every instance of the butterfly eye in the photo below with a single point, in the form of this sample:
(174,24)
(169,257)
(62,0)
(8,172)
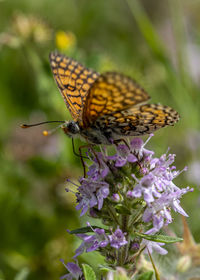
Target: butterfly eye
(69,87)
(73,127)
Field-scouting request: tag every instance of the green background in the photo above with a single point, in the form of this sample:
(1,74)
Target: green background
(155,42)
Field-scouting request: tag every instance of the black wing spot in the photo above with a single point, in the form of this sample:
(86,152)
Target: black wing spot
(69,87)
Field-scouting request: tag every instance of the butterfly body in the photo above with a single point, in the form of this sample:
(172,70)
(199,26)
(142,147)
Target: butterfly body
(93,135)
(106,107)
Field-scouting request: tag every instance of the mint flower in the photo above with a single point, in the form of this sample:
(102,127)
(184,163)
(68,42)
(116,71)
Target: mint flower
(133,194)
(117,239)
(90,194)
(92,242)
(74,271)
(123,156)
(99,239)
(154,246)
(159,211)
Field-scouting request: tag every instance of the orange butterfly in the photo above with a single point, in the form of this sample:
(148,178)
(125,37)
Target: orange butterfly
(106,107)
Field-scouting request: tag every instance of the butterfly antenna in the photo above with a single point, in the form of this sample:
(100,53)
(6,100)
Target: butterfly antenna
(40,123)
(45,132)
(51,131)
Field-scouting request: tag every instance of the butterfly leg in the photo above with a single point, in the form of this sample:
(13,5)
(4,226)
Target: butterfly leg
(96,156)
(81,156)
(93,152)
(75,153)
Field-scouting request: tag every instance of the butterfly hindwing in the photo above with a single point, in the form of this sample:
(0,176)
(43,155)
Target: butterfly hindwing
(138,120)
(111,92)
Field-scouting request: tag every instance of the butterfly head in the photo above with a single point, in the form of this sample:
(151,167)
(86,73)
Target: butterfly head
(71,128)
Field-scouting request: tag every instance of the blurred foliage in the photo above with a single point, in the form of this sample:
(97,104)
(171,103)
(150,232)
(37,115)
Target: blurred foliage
(156,42)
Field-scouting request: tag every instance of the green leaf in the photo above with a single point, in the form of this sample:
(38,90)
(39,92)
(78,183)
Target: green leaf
(83,230)
(105,269)
(146,276)
(159,238)
(121,209)
(88,272)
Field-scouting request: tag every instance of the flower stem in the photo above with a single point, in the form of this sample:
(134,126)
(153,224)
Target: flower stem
(112,214)
(124,250)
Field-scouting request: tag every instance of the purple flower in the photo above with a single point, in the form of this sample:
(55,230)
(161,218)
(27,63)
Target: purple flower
(91,193)
(115,197)
(130,195)
(137,145)
(74,271)
(145,187)
(159,211)
(100,240)
(102,193)
(153,246)
(122,156)
(99,169)
(158,180)
(92,242)
(117,239)
(135,246)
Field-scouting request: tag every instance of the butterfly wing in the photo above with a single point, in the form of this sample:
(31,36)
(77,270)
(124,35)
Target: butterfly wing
(111,92)
(138,120)
(74,82)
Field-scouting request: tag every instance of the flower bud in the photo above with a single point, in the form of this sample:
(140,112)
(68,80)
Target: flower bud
(115,197)
(184,263)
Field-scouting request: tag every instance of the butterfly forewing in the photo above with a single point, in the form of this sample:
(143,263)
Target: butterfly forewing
(138,120)
(74,82)
(111,92)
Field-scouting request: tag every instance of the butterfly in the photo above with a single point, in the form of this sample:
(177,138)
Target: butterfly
(106,107)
